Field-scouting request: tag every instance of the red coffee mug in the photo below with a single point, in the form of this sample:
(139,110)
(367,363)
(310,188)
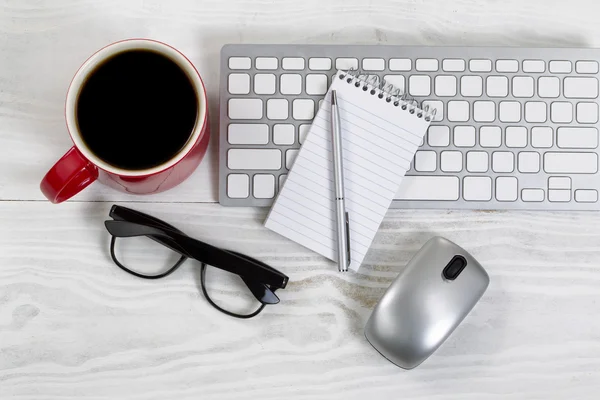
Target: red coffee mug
(79,167)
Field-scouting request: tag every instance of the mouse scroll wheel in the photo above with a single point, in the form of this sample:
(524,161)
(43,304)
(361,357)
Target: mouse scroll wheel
(454,267)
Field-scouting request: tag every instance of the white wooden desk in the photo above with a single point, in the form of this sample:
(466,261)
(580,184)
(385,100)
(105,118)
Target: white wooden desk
(73,326)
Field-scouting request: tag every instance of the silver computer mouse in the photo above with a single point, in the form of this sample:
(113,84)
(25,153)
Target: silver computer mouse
(427,301)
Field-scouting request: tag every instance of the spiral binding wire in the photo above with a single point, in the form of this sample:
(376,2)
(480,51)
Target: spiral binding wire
(388,92)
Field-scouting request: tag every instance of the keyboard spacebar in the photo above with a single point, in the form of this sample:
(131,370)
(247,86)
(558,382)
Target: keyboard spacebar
(428,188)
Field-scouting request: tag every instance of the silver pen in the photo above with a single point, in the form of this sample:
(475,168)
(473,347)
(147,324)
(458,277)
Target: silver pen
(343,223)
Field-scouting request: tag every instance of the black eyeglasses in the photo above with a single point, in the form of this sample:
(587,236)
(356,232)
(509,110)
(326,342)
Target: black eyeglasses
(258,278)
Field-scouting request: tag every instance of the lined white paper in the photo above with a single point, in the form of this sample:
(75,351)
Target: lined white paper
(379,141)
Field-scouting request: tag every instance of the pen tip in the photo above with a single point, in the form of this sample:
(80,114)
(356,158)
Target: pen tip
(333,97)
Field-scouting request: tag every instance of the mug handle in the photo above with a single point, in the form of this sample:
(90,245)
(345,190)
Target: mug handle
(69,176)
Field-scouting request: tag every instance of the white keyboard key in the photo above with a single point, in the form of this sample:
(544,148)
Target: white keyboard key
(400,64)
(445,85)
(586,196)
(560,67)
(458,111)
(264,83)
(583,88)
(507,65)
(451,161)
(497,86)
(245,108)
(480,65)
(586,67)
(571,163)
(541,137)
(268,159)
(316,84)
(477,188)
(264,186)
(293,63)
(373,64)
(290,157)
(419,85)
(282,179)
(535,111)
(319,63)
(277,109)
(509,111)
(561,112)
(484,111)
(506,188)
(503,161)
(490,136)
(435,105)
(532,195)
(428,188)
(240,62)
(516,136)
(425,161)
(534,66)
(477,161)
(302,132)
(283,134)
(453,65)
(248,133)
(577,138)
(396,80)
(559,182)
(522,86)
(587,113)
(239,83)
(303,109)
(438,136)
(238,186)
(290,84)
(561,196)
(464,136)
(528,162)
(548,87)
(346,64)
(427,64)
(471,86)
(266,63)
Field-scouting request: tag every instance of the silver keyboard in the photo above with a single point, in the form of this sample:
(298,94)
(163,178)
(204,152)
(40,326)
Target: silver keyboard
(516,128)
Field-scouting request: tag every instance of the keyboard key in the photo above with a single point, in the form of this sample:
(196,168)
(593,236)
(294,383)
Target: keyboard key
(316,84)
(238,186)
(248,133)
(453,65)
(559,182)
(503,161)
(373,64)
(425,161)
(290,157)
(239,83)
(458,111)
(277,109)
(560,67)
(535,111)
(283,134)
(477,161)
(302,132)
(480,65)
(240,62)
(509,111)
(400,64)
(396,80)
(484,111)
(291,84)
(477,188)
(464,136)
(419,85)
(346,64)
(471,86)
(435,105)
(245,108)
(534,66)
(529,162)
(577,138)
(586,67)
(507,65)
(264,186)
(438,136)
(490,136)
(303,109)
(522,86)
(561,112)
(561,196)
(571,163)
(548,87)
(516,136)
(266,63)
(268,159)
(451,161)
(506,188)
(587,113)
(445,85)
(319,64)
(541,137)
(583,88)
(586,196)
(532,195)
(293,63)
(282,179)
(264,83)
(427,64)
(428,188)
(497,86)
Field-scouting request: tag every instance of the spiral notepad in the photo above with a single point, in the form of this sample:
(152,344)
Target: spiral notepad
(381,131)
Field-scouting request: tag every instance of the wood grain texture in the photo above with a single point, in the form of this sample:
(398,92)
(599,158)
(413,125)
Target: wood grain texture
(73,326)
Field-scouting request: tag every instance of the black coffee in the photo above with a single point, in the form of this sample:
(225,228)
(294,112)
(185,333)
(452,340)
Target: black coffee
(137,110)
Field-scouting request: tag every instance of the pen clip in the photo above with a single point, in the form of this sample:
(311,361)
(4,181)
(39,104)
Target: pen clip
(348,239)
